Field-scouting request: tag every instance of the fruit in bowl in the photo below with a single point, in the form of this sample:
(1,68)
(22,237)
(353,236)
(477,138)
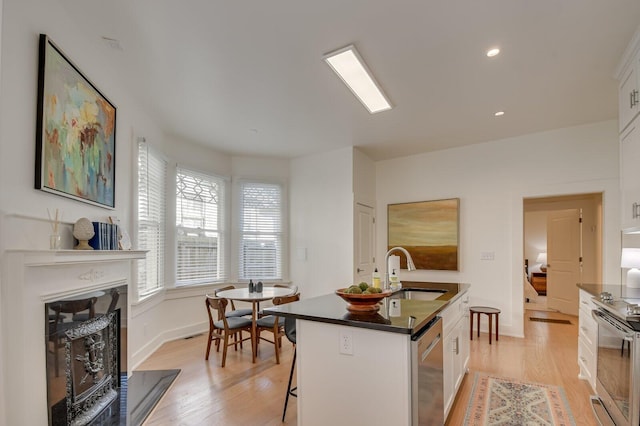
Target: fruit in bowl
(361,297)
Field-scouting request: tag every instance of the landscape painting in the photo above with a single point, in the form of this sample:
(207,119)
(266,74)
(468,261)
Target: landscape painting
(75,136)
(429,230)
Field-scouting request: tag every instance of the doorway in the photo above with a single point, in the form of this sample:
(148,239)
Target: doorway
(558,252)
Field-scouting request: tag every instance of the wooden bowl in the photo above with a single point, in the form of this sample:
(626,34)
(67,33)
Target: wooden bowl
(362,302)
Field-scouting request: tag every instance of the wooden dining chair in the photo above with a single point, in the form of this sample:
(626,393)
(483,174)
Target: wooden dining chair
(275,324)
(243,312)
(222,328)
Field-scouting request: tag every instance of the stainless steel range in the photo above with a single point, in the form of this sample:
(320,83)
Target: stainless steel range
(618,368)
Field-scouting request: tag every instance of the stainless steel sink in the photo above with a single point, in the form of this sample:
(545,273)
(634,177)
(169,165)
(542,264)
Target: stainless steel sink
(419,293)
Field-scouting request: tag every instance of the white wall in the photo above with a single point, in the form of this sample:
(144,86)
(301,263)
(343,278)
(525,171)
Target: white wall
(491,180)
(321,212)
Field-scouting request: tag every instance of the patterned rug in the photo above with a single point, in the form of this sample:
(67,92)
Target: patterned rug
(499,401)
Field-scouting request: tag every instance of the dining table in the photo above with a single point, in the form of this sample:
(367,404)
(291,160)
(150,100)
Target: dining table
(242,294)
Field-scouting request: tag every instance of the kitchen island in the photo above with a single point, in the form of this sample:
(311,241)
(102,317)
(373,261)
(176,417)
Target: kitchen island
(357,368)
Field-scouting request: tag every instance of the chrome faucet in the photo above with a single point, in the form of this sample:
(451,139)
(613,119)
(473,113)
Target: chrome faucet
(410,265)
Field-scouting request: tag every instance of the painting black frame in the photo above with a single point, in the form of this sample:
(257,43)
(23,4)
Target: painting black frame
(101,187)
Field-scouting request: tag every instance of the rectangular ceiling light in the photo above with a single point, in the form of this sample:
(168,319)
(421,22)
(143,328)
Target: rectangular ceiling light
(350,67)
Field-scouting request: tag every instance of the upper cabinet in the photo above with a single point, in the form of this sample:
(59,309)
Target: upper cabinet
(630,176)
(629,77)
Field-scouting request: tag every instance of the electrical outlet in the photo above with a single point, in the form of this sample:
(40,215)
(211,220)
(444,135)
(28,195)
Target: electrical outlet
(346,343)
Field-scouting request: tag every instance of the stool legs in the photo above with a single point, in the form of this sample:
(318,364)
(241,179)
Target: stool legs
(289,390)
(490,326)
(490,315)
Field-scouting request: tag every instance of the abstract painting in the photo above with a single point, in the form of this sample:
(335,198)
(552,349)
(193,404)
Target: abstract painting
(428,230)
(76,132)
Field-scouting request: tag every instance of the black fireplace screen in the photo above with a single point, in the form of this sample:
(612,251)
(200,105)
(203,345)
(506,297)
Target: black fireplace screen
(83,357)
(91,374)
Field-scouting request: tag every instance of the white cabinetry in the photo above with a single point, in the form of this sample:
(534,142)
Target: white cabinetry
(630,175)
(628,97)
(629,105)
(587,340)
(628,75)
(455,324)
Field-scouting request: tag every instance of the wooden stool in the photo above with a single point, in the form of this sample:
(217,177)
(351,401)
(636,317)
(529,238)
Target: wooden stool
(490,312)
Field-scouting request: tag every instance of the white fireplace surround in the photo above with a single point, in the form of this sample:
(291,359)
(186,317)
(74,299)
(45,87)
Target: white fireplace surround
(29,280)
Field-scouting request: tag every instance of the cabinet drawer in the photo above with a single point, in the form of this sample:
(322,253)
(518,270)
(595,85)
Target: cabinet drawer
(452,313)
(586,304)
(586,362)
(588,329)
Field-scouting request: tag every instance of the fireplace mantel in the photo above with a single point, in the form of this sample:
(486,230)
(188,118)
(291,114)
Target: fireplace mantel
(31,278)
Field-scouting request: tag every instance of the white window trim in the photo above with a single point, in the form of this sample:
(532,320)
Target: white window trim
(137,298)
(226,218)
(237,182)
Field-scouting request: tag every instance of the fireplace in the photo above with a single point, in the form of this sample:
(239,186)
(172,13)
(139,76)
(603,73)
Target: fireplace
(85,345)
(33,280)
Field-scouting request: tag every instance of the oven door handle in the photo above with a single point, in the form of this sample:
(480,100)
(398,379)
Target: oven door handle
(613,324)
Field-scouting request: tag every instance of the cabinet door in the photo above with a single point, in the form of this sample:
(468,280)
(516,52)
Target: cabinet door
(464,339)
(630,175)
(448,359)
(628,97)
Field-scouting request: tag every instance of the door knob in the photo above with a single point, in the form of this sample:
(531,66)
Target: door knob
(359,270)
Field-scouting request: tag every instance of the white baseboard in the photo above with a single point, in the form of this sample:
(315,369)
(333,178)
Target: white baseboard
(153,345)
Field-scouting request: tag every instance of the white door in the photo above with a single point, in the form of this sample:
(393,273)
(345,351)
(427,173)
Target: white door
(564,242)
(364,243)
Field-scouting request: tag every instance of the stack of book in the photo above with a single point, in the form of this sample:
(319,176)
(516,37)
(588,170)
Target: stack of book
(106,236)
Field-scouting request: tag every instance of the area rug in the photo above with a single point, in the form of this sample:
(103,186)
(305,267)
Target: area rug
(500,401)
(553,320)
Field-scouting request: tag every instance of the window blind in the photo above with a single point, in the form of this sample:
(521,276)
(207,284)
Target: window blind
(200,235)
(152,173)
(261,231)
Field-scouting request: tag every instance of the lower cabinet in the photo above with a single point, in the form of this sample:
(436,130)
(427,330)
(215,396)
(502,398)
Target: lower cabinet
(455,348)
(587,340)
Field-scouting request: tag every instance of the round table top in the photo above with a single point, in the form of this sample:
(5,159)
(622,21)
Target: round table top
(243,294)
(484,309)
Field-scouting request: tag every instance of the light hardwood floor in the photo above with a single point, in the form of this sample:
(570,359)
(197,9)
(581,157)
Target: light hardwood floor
(243,393)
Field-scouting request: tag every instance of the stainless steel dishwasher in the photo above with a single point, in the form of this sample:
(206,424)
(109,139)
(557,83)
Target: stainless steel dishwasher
(427,400)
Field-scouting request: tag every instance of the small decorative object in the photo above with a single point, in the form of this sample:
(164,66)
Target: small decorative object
(362,302)
(259,287)
(76,132)
(83,231)
(251,286)
(54,238)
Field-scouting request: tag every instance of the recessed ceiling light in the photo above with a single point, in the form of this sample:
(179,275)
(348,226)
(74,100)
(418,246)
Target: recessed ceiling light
(350,67)
(499,113)
(493,52)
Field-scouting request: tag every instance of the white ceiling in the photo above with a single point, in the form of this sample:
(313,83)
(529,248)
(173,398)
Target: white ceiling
(247,77)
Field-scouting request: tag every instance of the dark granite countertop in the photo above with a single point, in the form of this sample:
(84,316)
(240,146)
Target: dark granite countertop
(616,290)
(330,308)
